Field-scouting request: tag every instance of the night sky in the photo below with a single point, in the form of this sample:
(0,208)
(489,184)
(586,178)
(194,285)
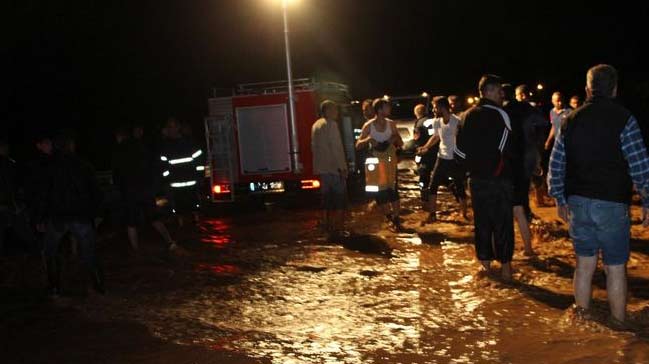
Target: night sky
(93,65)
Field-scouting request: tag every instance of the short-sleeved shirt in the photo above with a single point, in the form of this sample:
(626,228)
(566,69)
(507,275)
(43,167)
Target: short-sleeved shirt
(327,148)
(447,133)
(557,117)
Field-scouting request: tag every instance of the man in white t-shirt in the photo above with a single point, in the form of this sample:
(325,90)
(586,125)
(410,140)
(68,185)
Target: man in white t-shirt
(445,128)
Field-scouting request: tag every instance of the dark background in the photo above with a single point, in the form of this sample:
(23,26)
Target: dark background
(93,65)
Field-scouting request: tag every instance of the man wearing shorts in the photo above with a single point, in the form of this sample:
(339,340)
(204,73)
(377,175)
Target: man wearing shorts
(445,128)
(597,157)
(330,165)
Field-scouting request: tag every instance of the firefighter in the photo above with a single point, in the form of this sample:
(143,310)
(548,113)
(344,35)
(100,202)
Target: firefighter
(182,170)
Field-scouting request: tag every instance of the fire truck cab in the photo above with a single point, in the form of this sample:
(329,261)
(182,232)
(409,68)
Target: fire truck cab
(248,137)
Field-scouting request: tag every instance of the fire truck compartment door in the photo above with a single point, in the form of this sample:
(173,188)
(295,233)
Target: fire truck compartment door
(263,139)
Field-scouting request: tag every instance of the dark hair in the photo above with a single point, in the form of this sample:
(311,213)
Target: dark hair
(325,105)
(377,104)
(508,89)
(488,81)
(601,80)
(64,140)
(442,101)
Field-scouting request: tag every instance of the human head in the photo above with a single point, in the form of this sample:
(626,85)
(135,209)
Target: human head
(522,92)
(454,103)
(368,110)
(441,107)
(121,134)
(382,107)
(43,144)
(138,131)
(601,80)
(557,100)
(508,92)
(329,110)
(490,87)
(420,111)
(172,128)
(65,142)
(575,102)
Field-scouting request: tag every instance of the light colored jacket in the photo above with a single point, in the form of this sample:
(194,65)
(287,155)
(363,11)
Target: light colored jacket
(327,148)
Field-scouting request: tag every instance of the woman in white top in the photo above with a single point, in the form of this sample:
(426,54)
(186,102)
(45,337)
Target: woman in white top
(378,133)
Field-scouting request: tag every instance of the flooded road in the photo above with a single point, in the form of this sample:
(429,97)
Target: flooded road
(266,287)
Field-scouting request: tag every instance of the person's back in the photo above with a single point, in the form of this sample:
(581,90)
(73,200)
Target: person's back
(133,168)
(596,165)
(484,140)
(525,154)
(72,192)
(327,148)
(597,157)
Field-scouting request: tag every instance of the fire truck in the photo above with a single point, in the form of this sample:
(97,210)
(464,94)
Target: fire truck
(248,137)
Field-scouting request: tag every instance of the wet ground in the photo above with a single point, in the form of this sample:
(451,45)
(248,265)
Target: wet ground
(266,287)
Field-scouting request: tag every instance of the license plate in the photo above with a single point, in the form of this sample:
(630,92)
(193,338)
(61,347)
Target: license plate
(267,187)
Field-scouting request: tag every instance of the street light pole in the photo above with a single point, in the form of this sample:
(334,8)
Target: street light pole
(295,151)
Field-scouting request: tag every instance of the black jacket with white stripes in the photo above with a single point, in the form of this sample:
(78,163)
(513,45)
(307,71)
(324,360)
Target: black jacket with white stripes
(484,143)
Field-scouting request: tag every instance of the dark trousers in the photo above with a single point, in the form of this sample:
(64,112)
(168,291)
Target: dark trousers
(84,233)
(424,170)
(493,219)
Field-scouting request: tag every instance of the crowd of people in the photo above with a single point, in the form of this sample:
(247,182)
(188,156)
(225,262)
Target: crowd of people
(55,197)
(587,157)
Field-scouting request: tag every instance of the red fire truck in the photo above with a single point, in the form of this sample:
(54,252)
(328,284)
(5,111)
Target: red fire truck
(249,137)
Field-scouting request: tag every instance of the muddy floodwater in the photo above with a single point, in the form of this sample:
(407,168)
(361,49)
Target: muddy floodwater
(266,287)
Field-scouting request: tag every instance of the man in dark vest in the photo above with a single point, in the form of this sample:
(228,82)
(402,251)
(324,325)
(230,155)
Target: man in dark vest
(597,157)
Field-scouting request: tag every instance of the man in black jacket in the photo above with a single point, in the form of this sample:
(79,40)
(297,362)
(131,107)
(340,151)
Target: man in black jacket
(69,203)
(484,145)
(525,160)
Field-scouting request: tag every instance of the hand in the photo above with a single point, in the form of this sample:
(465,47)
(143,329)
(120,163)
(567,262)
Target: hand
(548,145)
(422,150)
(562,211)
(645,217)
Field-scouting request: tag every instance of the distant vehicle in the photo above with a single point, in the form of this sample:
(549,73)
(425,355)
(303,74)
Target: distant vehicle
(403,114)
(249,137)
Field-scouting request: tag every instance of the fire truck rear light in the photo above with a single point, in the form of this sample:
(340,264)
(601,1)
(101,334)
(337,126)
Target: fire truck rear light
(219,189)
(310,184)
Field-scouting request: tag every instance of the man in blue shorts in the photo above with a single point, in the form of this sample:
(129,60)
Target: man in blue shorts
(597,157)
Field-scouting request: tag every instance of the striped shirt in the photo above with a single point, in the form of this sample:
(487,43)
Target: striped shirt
(634,151)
